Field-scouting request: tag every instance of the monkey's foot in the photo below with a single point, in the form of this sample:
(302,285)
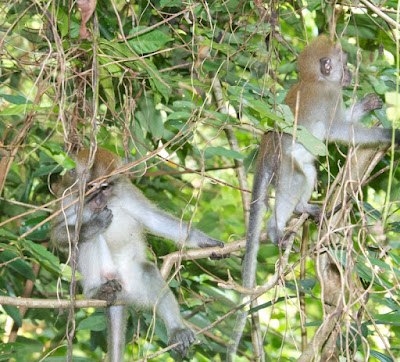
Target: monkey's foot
(185,337)
(108,291)
(214,256)
(284,241)
(210,242)
(313,210)
(315,213)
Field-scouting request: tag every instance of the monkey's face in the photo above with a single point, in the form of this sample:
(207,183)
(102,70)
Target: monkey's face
(98,199)
(104,163)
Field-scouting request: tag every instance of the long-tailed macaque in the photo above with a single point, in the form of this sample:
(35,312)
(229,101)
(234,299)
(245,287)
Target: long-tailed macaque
(112,249)
(316,101)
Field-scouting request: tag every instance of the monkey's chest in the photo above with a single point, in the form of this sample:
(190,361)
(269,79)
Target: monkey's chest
(125,235)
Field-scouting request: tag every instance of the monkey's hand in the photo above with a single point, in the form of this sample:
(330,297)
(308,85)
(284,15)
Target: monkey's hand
(185,337)
(108,291)
(209,242)
(371,101)
(97,223)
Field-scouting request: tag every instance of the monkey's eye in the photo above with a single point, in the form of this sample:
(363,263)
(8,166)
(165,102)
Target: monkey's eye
(104,186)
(72,172)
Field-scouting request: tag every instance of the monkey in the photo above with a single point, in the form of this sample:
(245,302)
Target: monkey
(112,249)
(316,101)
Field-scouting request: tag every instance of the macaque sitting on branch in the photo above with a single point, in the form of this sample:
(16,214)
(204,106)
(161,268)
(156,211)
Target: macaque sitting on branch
(112,248)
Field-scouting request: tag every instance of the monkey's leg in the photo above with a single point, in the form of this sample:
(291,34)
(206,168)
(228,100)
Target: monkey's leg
(303,206)
(89,265)
(98,270)
(147,288)
(290,188)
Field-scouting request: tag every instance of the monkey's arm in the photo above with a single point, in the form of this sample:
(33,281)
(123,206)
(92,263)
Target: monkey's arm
(160,223)
(348,130)
(368,103)
(63,227)
(350,133)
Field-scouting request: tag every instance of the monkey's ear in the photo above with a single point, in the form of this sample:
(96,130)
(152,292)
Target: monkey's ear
(326,66)
(54,188)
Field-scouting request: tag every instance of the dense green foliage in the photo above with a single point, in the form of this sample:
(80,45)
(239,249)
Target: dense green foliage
(148,80)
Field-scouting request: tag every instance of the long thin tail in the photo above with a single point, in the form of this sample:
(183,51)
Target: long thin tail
(262,178)
(116,320)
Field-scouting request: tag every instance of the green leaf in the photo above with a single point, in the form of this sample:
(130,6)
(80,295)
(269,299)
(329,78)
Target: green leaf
(170,3)
(150,117)
(174,283)
(19,350)
(179,115)
(106,84)
(15,99)
(184,104)
(40,233)
(12,311)
(8,234)
(224,152)
(148,42)
(155,82)
(54,152)
(43,256)
(10,247)
(304,286)
(96,322)
(372,211)
(378,84)
(46,170)
(67,273)
(21,110)
(138,140)
(119,50)
(19,265)
(310,142)
(380,356)
(264,110)
(388,318)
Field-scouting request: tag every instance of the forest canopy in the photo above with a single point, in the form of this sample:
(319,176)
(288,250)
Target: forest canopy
(183,92)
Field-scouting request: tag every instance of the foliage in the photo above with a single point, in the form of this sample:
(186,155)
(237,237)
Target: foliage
(148,81)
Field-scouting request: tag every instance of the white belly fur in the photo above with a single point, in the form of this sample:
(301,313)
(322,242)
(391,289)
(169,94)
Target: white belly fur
(123,242)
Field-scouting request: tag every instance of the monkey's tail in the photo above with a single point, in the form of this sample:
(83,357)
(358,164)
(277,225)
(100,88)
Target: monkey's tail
(262,179)
(116,320)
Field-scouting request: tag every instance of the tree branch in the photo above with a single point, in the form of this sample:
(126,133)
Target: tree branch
(381,14)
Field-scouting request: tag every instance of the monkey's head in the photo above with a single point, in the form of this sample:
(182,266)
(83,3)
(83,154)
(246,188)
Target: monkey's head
(321,60)
(104,163)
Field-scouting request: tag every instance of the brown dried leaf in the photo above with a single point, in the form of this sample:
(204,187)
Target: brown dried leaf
(86,8)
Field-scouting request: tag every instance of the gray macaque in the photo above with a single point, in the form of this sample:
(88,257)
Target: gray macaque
(112,248)
(316,101)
